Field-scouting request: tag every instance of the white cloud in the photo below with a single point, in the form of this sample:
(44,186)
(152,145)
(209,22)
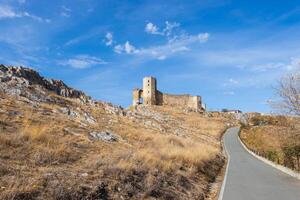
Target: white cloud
(152,29)
(167,31)
(129,49)
(26,14)
(108,39)
(9,12)
(64,14)
(229,93)
(175,43)
(126,48)
(203,37)
(90,34)
(161,52)
(169,27)
(230,82)
(179,49)
(118,49)
(267,66)
(22,1)
(65,11)
(178,45)
(162,57)
(82,62)
(293,64)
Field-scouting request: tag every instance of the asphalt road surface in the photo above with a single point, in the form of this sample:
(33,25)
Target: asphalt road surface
(250,179)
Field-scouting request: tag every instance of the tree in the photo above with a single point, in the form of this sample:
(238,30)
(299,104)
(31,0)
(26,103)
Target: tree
(288,90)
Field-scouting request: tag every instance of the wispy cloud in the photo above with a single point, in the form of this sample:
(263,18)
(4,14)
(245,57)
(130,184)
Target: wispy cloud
(231,82)
(293,64)
(9,13)
(166,31)
(175,43)
(170,26)
(229,93)
(95,32)
(65,11)
(126,48)
(180,44)
(163,51)
(203,37)
(109,39)
(82,62)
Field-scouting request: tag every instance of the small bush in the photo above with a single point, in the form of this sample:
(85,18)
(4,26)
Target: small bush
(272,155)
(269,120)
(292,156)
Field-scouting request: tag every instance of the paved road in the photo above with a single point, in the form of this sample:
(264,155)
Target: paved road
(250,179)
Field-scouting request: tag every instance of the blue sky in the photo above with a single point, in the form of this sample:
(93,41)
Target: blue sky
(230,52)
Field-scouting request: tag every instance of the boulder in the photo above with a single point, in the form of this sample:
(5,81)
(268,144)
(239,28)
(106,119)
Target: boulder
(104,136)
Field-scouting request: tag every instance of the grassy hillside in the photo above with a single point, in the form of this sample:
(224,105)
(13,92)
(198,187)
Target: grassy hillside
(47,151)
(276,138)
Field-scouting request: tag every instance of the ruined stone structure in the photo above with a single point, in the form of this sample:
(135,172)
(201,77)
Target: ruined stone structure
(149,95)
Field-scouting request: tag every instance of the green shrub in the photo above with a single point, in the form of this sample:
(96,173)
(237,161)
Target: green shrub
(292,156)
(269,120)
(272,155)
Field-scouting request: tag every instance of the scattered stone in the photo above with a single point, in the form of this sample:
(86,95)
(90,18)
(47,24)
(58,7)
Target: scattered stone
(73,114)
(104,136)
(63,110)
(84,174)
(14,113)
(89,118)
(113,109)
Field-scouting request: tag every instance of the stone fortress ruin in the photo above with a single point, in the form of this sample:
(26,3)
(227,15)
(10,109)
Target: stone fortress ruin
(149,95)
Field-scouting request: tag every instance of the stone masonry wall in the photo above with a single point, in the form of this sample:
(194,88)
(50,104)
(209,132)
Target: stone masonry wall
(184,101)
(149,95)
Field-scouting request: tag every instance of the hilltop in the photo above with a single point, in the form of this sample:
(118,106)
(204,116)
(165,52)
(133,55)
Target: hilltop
(58,143)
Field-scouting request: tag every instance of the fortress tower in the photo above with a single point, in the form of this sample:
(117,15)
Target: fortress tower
(149,95)
(149,91)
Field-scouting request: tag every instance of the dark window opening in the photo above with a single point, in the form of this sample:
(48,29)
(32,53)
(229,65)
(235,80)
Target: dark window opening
(140,100)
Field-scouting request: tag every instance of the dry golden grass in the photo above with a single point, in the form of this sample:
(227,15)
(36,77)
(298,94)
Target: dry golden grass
(52,160)
(270,138)
(166,152)
(36,132)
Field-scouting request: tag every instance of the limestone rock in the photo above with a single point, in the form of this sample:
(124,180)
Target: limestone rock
(21,81)
(109,108)
(104,136)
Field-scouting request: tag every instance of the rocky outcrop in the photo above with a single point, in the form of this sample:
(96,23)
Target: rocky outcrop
(104,136)
(156,120)
(19,80)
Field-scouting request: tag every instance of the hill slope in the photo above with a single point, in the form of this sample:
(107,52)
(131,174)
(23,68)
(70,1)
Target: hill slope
(58,143)
(276,138)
